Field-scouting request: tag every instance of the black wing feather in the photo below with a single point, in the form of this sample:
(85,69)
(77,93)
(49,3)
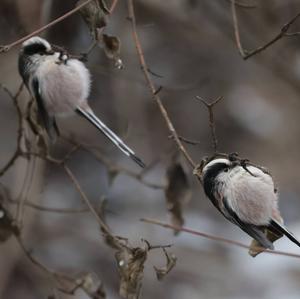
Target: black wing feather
(47,121)
(283,231)
(252,230)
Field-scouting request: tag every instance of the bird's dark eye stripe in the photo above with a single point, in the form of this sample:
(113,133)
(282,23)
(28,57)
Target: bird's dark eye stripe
(36,48)
(215,169)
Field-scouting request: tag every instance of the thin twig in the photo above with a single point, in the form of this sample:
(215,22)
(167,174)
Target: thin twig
(247,54)
(56,277)
(16,154)
(114,168)
(186,140)
(6,48)
(215,238)
(210,107)
(42,208)
(85,199)
(236,29)
(242,5)
(151,86)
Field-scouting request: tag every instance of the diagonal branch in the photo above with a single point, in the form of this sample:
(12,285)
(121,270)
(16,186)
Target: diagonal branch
(6,48)
(247,54)
(210,107)
(153,90)
(17,152)
(215,238)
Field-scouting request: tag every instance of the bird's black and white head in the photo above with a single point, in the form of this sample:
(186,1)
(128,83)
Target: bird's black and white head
(32,53)
(36,46)
(211,169)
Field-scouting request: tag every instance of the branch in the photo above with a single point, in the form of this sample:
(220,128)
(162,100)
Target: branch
(215,238)
(247,54)
(242,5)
(85,199)
(153,90)
(210,107)
(41,208)
(16,154)
(6,48)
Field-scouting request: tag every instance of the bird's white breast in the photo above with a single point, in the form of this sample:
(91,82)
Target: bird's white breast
(251,197)
(63,87)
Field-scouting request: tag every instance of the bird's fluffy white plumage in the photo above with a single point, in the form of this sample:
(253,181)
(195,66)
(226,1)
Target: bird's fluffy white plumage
(61,86)
(250,194)
(64,86)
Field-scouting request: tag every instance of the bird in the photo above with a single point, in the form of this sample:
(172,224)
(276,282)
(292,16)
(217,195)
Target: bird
(60,85)
(245,194)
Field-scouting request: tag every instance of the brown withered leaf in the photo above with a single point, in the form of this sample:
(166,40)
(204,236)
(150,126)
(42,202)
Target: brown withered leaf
(94,15)
(177,193)
(256,248)
(131,270)
(112,48)
(92,286)
(171,260)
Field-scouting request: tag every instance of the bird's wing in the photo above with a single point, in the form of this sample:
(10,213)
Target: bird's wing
(47,121)
(254,231)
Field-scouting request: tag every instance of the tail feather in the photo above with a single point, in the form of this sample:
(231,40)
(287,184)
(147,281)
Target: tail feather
(94,120)
(281,229)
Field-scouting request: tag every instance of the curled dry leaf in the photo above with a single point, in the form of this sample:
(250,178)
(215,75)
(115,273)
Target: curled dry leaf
(112,48)
(171,262)
(177,192)
(92,286)
(131,270)
(94,15)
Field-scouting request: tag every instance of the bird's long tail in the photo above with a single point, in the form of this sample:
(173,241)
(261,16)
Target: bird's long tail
(93,119)
(281,229)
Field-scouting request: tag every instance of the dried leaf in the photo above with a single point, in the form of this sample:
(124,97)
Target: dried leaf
(256,248)
(177,192)
(92,286)
(94,14)
(112,48)
(131,266)
(171,262)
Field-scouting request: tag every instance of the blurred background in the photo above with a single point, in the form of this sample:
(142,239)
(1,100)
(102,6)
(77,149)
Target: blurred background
(190,46)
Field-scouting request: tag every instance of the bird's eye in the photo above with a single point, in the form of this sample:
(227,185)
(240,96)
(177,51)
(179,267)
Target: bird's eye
(226,169)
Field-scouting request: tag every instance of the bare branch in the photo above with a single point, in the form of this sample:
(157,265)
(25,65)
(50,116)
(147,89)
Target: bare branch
(6,48)
(186,140)
(151,86)
(16,154)
(216,238)
(247,54)
(85,199)
(242,5)
(210,107)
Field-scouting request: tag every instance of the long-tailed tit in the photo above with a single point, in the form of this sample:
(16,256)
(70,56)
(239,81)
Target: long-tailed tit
(61,86)
(245,195)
